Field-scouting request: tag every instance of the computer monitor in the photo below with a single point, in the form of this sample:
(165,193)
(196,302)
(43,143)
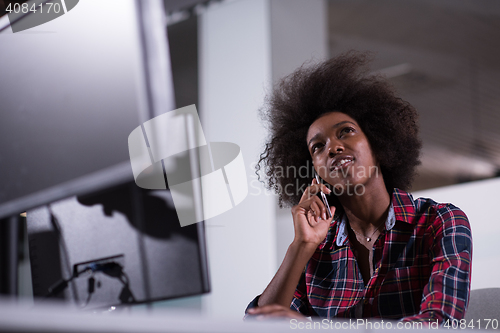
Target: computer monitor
(73,89)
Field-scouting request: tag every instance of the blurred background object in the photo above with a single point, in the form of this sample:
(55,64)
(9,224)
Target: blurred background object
(73,89)
(442,57)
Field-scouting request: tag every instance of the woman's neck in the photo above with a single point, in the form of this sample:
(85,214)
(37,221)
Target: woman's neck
(367,212)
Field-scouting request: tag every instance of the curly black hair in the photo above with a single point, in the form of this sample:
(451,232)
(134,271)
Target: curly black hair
(339,84)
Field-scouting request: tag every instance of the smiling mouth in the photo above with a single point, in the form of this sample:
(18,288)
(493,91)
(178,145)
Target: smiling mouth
(340,164)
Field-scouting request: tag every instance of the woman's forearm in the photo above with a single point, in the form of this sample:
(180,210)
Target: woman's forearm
(282,287)
(311,227)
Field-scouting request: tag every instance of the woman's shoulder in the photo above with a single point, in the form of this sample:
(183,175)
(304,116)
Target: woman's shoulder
(438,213)
(445,218)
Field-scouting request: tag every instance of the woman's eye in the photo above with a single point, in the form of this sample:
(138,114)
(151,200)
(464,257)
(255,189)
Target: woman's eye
(316,148)
(346,130)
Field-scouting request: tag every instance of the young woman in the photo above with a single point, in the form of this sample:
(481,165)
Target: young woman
(381,254)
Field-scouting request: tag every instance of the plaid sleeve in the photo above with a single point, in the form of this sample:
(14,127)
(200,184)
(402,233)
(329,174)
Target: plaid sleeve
(447,293)
(253,304)
(300,303)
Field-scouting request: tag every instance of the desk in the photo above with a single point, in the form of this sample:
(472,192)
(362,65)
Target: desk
(61,318)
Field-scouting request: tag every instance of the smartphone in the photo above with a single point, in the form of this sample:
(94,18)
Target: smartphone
(323,197)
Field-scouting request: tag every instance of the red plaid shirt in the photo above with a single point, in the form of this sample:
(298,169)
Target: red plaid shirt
(422,264)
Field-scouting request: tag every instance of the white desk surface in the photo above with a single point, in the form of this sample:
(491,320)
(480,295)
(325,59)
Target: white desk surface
(18,317)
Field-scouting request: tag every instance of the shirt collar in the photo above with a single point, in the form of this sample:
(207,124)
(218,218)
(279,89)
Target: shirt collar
(402,209)
(404,206)
(342,229)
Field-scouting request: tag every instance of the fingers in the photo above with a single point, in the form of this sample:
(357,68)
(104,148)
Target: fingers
(311,202)
(274,311)
(314,189)
(332,210)
(318,209)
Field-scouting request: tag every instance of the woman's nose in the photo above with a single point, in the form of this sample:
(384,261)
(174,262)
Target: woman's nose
(335,149)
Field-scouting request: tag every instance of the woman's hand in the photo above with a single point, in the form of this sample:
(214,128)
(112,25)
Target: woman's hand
(273,311)
(310,218)
(311,226)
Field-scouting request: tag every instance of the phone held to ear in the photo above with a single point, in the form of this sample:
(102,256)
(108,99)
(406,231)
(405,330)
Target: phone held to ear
(323,197)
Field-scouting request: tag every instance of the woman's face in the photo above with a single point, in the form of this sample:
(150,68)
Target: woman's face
(341,153)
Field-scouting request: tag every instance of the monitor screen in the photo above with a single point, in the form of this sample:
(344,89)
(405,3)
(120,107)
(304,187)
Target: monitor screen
(72,90)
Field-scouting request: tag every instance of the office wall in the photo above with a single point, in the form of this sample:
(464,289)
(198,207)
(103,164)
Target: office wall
(244,46)
(234,71)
